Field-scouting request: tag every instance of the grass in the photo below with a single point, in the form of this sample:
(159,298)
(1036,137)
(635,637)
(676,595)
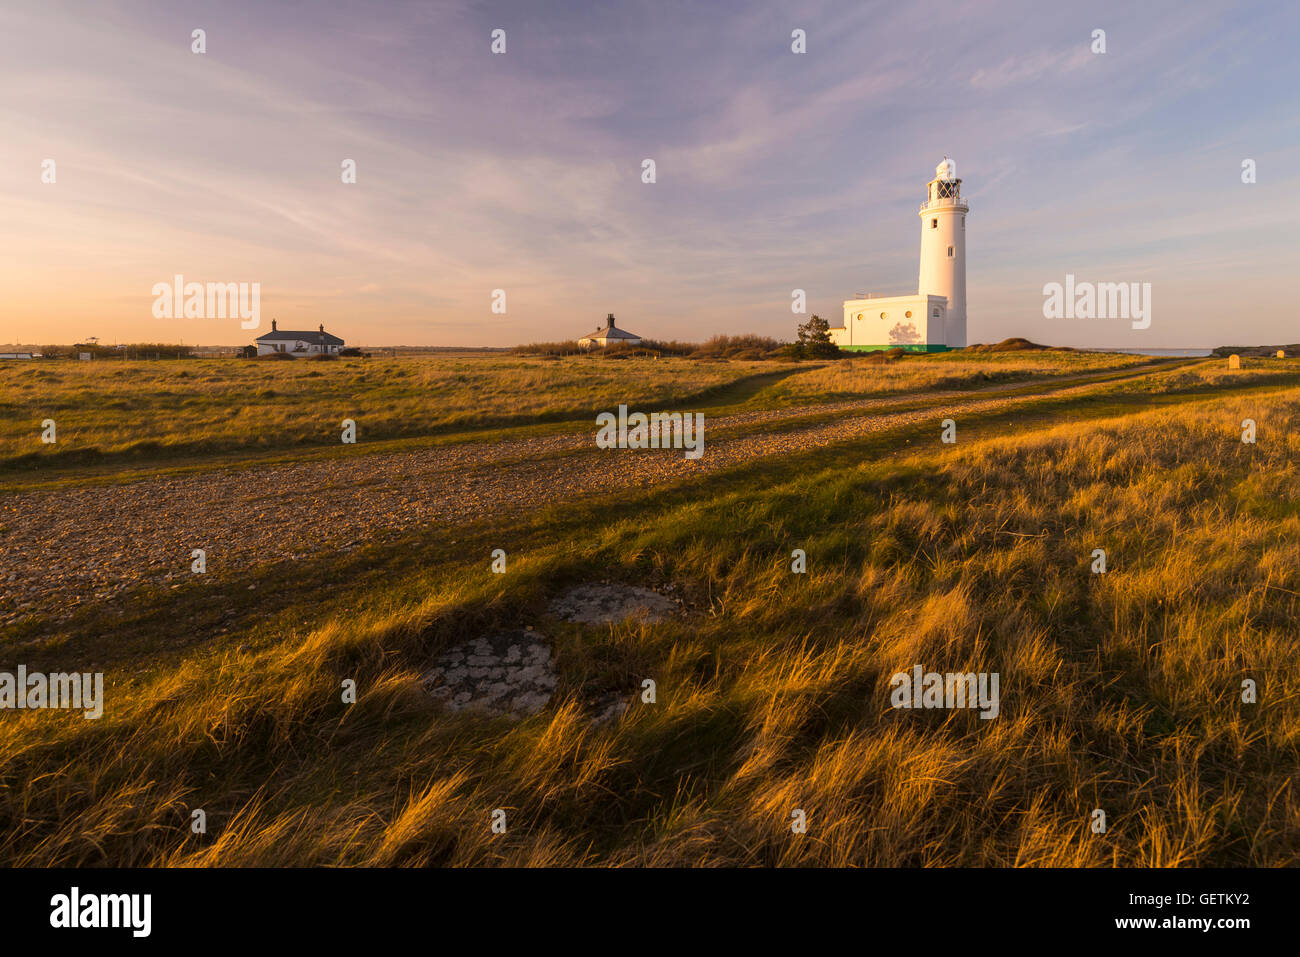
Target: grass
(1119,691)
(171,411)
(114,417)
(874,375)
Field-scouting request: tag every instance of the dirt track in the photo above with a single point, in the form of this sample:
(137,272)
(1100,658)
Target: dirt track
(61,548)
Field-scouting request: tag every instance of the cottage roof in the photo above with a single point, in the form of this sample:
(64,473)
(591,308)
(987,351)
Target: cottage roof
(320,338)
(611,334)
(610,331)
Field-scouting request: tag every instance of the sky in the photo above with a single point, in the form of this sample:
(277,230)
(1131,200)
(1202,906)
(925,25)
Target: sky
(522,171)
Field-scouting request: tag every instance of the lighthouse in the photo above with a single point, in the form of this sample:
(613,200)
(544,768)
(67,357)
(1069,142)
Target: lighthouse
(933,320)
(943,249)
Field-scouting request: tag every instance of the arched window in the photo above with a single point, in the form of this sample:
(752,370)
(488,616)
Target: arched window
(936,312)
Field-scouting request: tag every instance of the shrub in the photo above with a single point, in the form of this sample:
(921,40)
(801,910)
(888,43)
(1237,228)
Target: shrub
(565,348)
(747,347)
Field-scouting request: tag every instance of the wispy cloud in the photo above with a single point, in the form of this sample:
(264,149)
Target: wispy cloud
(1032,67)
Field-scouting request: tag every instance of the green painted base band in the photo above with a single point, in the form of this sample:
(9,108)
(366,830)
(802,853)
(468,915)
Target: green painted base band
(910,347)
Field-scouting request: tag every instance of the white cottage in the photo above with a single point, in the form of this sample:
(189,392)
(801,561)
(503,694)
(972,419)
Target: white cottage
(297,343)
(608,336)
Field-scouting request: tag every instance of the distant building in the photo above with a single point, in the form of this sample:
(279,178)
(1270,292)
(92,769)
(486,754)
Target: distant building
(609,335)
(299,343)
(934,319)
(15,355)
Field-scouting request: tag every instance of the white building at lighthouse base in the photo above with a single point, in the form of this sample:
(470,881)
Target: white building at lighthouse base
(914,323)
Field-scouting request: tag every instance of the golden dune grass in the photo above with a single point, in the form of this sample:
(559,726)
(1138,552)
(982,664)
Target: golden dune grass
(186,407)
(1119,691)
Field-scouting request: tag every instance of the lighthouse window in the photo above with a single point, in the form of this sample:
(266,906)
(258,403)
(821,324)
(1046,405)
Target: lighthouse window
(936,312)
(908,314)
(884,315)
(934,224)
(949,252)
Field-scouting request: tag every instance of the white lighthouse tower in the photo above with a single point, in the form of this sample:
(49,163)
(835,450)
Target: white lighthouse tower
(934,319)
(943,252)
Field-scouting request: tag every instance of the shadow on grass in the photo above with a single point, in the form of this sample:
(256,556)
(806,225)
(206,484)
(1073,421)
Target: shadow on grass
(58,462)
(158,624)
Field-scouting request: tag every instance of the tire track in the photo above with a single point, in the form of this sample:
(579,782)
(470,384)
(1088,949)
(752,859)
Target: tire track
(61,548)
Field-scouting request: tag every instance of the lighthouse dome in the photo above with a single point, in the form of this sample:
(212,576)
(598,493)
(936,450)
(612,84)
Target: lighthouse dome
(946,171)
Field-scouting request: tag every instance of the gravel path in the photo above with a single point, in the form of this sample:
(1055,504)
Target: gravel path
(64,547)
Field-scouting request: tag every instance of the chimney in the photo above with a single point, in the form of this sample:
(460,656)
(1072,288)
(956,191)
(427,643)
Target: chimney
(273,325)
(322,327)
(609,321)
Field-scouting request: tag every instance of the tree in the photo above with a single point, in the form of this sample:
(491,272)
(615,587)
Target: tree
(815,339)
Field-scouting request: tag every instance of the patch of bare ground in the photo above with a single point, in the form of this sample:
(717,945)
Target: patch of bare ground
(601,603)
(507,674)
